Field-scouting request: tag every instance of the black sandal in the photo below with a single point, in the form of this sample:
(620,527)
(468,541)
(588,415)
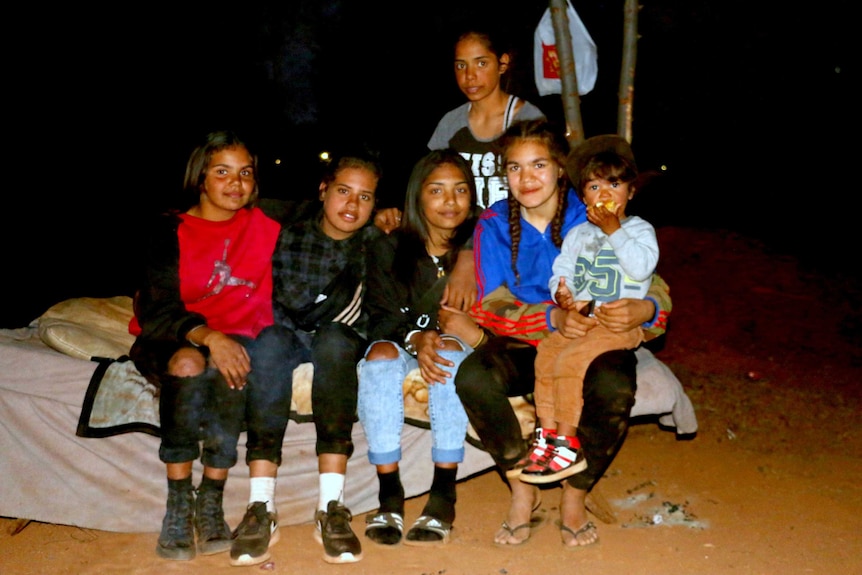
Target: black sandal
(537,519)
(384,528)
(428,531)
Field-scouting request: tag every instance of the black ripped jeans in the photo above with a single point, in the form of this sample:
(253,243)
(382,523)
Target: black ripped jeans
(503,368)
(203,408)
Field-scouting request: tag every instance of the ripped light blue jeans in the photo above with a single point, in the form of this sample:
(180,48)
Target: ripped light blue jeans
(381,407)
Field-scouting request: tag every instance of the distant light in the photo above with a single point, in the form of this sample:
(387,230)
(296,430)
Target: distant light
(663,167)
(324,156)
(278,161)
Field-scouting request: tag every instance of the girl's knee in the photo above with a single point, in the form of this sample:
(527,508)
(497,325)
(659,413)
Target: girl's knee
(382,350)
(187,362)
(452,344)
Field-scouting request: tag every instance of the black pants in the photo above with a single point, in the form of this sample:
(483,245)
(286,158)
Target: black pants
(335,351)
(204,409)
(503,368)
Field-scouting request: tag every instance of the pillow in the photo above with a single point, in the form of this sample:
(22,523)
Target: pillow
(89,327)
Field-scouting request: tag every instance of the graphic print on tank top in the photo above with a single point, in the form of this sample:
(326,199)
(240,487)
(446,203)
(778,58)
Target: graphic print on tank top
(490,185)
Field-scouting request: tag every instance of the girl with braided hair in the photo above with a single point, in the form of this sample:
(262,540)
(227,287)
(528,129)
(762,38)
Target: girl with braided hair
(514,245)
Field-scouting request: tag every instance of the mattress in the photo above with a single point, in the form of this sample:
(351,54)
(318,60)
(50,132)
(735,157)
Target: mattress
(117,483)
(56,468)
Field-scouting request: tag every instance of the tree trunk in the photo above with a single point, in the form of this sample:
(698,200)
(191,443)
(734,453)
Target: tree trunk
(569,80)
(627,70)
(568,77)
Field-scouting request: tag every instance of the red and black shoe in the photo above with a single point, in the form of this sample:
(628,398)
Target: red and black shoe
(542,444)
(563,458)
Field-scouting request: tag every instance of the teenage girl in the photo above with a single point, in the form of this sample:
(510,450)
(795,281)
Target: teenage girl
(473,128)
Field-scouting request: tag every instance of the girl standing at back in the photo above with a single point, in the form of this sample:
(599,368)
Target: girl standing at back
(481,60)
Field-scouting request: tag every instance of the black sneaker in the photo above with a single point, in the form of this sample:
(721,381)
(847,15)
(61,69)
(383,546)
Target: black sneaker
(253,537)
(177,539)
(212,530)
(340,544)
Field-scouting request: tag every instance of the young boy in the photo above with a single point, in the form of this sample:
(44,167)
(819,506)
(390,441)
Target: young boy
(608,257)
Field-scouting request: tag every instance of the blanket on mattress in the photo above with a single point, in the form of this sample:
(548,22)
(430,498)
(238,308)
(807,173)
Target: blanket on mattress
(120,400)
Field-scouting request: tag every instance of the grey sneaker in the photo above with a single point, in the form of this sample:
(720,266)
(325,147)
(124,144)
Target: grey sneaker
(340,544)
(212,530)
(253,537)
(177,539)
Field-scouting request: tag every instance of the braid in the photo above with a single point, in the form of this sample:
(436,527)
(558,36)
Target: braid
(546,134)
(557,223)
(515,233)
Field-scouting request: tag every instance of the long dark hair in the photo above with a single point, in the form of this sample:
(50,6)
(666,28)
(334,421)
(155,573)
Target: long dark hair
(414,228)
(546,134)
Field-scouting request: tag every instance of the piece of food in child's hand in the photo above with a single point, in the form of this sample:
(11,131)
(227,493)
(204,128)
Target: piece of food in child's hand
(610,205)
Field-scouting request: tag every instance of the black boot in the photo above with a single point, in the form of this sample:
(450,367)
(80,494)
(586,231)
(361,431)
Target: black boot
(212,530)
(177,539)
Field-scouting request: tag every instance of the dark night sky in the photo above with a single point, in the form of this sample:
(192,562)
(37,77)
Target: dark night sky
(747,106)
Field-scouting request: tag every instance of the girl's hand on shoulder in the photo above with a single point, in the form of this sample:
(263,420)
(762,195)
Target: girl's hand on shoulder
(625,314)
(428,343)
(230,358)
(387,219)
(461,291)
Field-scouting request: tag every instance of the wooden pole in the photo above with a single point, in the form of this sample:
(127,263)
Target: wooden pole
(627,71)
(568,78)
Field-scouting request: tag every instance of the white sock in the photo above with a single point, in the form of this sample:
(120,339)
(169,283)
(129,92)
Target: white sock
(263,489)
(331,487)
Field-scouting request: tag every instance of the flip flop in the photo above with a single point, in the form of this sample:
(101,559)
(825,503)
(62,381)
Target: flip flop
(575,533)
(384,528)
(432,525)
(536,521)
